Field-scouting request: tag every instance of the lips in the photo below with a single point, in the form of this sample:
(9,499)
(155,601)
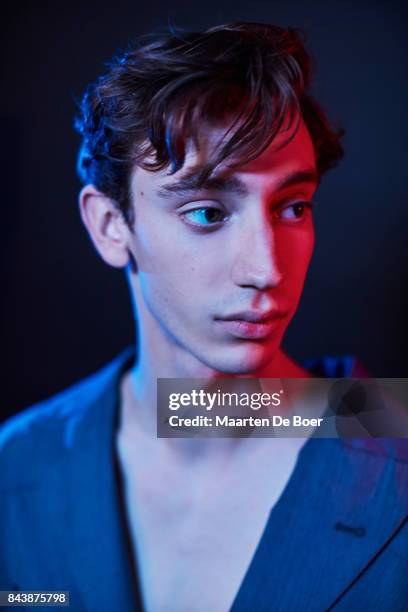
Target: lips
(251,325)
(253,316)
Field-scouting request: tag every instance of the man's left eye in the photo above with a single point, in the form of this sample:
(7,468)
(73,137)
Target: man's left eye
(294,212)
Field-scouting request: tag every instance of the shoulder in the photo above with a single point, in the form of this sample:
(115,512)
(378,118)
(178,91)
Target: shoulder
(395,449)
(339,366)
(380,448)
(42,434)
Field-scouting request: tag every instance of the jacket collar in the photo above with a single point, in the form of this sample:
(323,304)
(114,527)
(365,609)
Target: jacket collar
(100,553)
(342,504)
(357,503)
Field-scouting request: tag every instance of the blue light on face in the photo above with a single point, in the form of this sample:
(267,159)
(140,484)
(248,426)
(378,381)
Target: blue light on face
(205,216)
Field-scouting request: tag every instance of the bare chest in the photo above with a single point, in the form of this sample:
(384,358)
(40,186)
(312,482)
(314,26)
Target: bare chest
(196,530)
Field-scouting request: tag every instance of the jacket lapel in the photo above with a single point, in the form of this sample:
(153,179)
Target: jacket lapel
(342,503)
(344,500)
(100,553)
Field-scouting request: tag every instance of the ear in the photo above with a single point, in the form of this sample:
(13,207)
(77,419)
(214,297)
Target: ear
(106,226)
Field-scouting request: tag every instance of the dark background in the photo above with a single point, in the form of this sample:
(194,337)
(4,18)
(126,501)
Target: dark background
(65,313)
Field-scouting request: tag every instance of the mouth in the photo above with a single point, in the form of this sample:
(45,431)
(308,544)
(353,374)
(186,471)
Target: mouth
(251,325)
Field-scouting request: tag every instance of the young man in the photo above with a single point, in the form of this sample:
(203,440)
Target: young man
(200,157)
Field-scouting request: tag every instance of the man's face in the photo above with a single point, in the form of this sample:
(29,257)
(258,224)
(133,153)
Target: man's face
(220,270)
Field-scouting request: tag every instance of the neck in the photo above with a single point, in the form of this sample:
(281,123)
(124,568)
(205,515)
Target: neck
(161,357)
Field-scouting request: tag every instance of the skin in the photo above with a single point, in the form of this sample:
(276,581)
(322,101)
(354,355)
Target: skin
(190,270)
(184,278)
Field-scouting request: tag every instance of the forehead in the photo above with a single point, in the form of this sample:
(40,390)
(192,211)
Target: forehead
(288,155)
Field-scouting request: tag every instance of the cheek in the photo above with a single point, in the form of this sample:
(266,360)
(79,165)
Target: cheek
(171,272)
(165,250)
(153,247)
(296,249)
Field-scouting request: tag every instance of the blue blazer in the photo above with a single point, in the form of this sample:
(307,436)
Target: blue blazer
(336,539)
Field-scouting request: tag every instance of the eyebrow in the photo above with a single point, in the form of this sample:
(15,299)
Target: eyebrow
(189,184)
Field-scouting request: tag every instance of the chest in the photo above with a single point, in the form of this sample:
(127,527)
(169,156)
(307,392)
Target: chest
(195,530)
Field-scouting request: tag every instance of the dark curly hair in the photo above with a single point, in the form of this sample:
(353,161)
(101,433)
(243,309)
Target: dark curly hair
(158,93)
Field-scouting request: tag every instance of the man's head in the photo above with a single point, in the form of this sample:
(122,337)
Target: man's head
(201,153)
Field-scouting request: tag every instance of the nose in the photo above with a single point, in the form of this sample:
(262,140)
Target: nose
(257,261)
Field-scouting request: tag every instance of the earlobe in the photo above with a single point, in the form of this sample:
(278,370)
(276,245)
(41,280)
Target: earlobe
(106,226)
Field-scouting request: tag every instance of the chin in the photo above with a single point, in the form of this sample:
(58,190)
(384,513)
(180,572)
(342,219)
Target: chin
(246,359)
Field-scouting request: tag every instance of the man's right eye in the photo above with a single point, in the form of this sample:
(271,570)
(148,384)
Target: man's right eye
(205,216)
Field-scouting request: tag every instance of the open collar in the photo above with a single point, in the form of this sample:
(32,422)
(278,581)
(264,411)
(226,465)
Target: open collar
(100,553)
(343,501)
